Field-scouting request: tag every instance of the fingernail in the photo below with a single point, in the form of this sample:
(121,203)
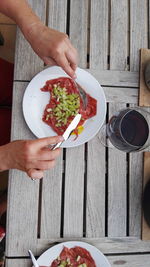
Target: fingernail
(74,76)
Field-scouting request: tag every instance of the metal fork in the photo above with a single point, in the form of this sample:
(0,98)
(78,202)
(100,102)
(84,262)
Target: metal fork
(82,94)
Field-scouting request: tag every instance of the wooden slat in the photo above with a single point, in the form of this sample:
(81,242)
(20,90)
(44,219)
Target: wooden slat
(51,202)
(135,192)
(74,191)
(118,36)
(106,245)
(117,211)
(57,15)
(27,62)
(138,40)
(74,174)
(115,78)
(52,184)
(22,206)
(129,260)
(18,262)
(95,209)
(78,29)
(99,34)
(138,31)
(116,186)
(121,95)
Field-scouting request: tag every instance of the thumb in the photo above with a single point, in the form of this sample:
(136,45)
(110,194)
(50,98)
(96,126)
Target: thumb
(35,174)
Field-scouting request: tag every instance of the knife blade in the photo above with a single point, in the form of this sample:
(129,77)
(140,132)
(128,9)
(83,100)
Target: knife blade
(34,261)
(68,131)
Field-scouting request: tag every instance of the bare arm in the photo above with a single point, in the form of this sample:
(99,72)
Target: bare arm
(20,12)
(52,46)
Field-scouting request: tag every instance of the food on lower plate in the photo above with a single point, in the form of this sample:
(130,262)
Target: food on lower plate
(65,102)
(74,257)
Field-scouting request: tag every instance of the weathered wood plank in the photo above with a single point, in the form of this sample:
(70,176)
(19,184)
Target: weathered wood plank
(95,208)
(22,206)
(121,95)
(99,34)
(119,34)
(27,62)
(135,192)
(138,40)
(129,260)
(113,77)
(78,29)
(57,15)
(18,262)
(52,184)
(116,186)
(117,210)
(74,172)
(51,197)
(106,245)
(74,191)
(138,31)
(116,78)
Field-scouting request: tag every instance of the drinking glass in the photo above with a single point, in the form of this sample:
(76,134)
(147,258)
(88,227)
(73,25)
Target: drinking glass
(127,130)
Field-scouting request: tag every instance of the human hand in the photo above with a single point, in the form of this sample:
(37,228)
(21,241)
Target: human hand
(53,47)
(30,156)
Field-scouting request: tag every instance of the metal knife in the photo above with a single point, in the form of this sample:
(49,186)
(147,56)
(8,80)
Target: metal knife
(34,261)
(68,131)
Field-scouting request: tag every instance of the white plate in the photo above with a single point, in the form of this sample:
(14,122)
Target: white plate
(35,101)
(52,253)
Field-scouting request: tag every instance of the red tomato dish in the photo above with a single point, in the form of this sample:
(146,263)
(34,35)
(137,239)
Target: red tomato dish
(75,257)
(65,103)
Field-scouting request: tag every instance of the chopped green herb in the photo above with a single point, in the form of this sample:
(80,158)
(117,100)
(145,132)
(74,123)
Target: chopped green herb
(68,105)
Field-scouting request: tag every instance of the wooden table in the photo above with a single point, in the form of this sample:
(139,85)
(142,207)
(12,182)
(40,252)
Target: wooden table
(93,194)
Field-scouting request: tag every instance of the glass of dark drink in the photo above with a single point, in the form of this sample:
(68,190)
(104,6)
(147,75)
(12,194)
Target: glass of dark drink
(127,130)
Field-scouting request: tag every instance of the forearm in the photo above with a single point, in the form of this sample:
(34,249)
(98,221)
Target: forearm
(52,46)
(21,12)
